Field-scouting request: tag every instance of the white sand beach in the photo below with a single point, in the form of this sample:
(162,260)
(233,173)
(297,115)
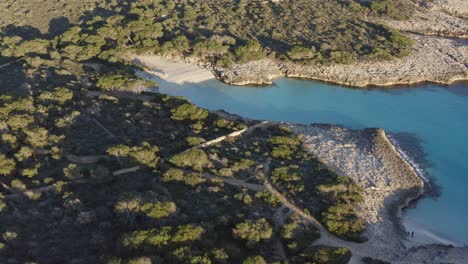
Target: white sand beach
(175,72)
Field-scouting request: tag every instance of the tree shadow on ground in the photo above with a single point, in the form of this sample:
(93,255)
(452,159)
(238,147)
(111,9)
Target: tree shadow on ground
(25,32)
(58,26)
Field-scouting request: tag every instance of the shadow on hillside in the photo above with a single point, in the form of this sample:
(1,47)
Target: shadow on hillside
(12,78)
(58,26)
(25,32)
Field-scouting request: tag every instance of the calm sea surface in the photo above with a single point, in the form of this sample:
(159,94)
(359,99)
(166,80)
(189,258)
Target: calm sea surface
(430,120)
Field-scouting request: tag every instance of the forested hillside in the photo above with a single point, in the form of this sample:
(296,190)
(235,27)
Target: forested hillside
(93,171)
(97,175)
(232,31)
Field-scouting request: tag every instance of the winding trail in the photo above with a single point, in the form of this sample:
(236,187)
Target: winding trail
(326,238)
(235,134)
(279,219)
(9,63)
(237,182)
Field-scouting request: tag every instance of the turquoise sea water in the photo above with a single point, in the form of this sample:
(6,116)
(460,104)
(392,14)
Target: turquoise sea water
(434,116)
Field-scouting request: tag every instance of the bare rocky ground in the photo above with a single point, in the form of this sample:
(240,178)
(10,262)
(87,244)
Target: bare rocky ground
(371,160)
(434,59)
(457,8)
(435,20)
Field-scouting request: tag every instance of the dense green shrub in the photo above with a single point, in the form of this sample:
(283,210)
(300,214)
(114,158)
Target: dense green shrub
(189,112)
(253,231)
(340,217)
(399,10)
(60,95)
(250,51)
(268,197)
(144,154)
(254,260)
(147,204)
(123,82)
(176,175)
(7,166)
(329,255)
(162,236)
(194,141)
(193,158)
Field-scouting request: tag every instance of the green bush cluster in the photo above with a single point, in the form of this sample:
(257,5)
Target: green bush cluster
(329,255)
(340,217)
(253,231)
(177,175)
(162,236)
(144,154)
(194,158)
(146,204)
(189,112)
(283,147)
(122,82)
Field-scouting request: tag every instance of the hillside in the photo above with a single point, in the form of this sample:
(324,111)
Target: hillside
(97,168)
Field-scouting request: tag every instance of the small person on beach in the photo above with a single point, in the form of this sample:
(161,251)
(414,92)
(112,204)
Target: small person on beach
(412,234)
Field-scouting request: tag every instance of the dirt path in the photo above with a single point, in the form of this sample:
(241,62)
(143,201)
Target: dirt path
(237,182)
(279,219)
(91,159)
(326,238)
(235,134)
(9,63)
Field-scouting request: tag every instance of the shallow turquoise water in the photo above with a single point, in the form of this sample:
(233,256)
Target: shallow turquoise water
(437,117)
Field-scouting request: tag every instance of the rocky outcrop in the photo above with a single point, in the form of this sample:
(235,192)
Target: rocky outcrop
(433,59)
(389,181)
(457,8)
(368,157)
(260,72)
(431,21)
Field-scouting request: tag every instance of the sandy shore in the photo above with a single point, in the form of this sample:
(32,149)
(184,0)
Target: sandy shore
(371,160)
(177,72)
(434,58)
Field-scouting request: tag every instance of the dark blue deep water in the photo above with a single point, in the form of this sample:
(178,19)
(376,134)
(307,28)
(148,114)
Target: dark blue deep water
(432,119)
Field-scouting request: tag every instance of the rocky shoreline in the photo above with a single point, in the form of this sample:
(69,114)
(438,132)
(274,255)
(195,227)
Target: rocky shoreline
(433,59)
(371,159)
(439,55)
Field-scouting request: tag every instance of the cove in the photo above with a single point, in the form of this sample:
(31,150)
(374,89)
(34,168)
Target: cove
(434,116)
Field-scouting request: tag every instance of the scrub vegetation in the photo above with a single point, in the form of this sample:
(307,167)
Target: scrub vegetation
(95,169)
(302,31)
(107,176)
